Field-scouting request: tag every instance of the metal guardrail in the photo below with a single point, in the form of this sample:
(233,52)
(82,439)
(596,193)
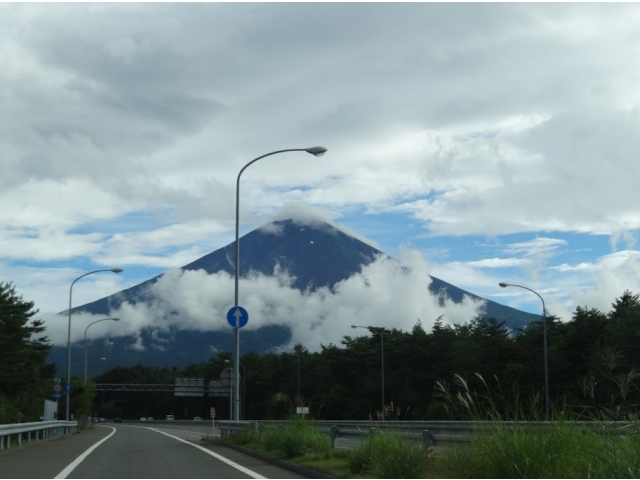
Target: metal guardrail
(429,433)
(41,430)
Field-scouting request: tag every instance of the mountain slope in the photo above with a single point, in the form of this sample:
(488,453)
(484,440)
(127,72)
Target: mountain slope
(316,255)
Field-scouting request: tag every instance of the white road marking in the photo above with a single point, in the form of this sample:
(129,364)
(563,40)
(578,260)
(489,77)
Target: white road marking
(244,470)
(71,467)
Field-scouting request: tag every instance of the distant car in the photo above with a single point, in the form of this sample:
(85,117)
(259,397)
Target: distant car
(197,419)
(143,419)
(170,417)
(117,420)
(149,419)
(102,419)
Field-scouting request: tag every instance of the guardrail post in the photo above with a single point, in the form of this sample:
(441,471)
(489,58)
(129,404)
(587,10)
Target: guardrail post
(427,439)
(333,433)
(19,439)
(1,444)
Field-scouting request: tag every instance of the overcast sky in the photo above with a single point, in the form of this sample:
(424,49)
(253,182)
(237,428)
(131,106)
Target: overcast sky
(485,142)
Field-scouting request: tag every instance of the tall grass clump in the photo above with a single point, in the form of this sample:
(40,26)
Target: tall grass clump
(244,437)
(533,449)
(557,451)
(387,455)
(619,457)
(296,439)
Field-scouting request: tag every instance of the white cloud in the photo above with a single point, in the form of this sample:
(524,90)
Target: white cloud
(386,293)
(499,262)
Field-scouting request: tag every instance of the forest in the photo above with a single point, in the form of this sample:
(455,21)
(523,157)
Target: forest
(593,362)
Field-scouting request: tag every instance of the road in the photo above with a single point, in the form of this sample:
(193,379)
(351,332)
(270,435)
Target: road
(133,451)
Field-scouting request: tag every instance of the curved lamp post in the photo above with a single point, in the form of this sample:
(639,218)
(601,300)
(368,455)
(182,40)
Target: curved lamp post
(85,343)
(544,330)
(293,352)
(68,395)
(376,331)
(318,152)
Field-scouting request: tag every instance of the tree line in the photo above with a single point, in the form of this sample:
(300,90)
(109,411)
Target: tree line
(594,363)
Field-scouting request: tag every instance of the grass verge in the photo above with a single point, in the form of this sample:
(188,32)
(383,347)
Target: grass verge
(380,456)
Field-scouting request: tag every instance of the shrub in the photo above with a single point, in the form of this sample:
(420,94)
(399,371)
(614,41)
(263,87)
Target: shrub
(563,450)
(244,437)
(296,439)
(387,455)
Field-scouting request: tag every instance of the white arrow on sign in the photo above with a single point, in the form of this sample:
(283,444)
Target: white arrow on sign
(238,315)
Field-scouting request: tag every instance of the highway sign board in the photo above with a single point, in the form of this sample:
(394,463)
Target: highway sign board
(237,315)
(213,412)
(302,410)
(68,388)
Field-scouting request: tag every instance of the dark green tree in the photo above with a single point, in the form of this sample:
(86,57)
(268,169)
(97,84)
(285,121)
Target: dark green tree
(25,376)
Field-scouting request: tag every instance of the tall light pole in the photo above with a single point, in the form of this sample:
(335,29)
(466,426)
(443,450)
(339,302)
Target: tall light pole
(544,334)
(318,152)
(244,386)
(377,331)
(293,352)
(68,397)
(85,343)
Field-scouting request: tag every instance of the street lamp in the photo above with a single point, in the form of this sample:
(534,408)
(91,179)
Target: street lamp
(114,270)
(544,330)
(244,386)
(318,152)
(85,343)
(376,331)
(293,352)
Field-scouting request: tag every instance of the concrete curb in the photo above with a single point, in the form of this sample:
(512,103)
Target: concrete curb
(307,472)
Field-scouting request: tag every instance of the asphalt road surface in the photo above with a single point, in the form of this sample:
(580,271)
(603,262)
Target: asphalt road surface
(127,451)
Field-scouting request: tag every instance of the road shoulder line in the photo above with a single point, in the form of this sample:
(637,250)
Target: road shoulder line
(231,463)
(72,466)
(305,471)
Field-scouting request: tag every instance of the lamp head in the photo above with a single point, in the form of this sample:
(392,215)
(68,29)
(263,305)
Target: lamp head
(115,319)
(116,270)
(354,326)
(317,151)
(503,285)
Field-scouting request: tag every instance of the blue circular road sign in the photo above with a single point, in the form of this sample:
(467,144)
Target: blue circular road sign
(237,317)
(68,388)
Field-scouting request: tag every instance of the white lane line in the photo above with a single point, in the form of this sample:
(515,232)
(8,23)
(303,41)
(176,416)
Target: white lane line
(71,467)
(251,473)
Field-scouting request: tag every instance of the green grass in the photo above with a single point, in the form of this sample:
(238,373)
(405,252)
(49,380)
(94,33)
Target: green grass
(295,439)
(388,455)
(380,456)
(336,465)
(563,450)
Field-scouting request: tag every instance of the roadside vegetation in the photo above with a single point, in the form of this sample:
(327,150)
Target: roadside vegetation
(525,448)
(25,377)
(558,449)
(382,455)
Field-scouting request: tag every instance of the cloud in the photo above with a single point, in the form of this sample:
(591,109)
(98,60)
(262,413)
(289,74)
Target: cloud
(386,293)
(499,262)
